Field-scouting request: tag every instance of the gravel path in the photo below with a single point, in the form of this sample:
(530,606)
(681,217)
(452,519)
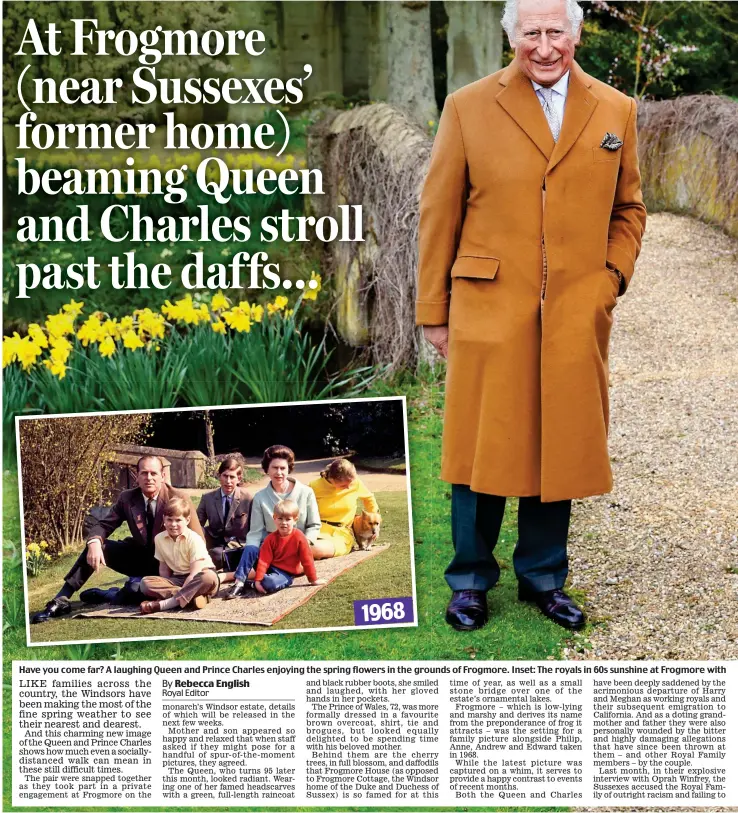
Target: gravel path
(658,557)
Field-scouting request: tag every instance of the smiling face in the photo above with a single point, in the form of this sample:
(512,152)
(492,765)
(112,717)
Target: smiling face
(277,472)
(544,44)
(175,525)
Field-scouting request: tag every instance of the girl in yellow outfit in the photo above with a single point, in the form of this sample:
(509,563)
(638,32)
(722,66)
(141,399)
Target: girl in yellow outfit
(337,490)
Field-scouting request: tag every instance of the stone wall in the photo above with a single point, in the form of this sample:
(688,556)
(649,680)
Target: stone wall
(185,467)
(689,158)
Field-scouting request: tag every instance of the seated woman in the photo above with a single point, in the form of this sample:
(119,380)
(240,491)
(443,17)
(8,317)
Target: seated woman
(337,490)
(278,463)
(224,513)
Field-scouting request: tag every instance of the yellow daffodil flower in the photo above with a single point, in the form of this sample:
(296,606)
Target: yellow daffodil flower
(10,349)
(107,347)
(219,302)
(37,335)
(58,368)
(239,318)
(131,340)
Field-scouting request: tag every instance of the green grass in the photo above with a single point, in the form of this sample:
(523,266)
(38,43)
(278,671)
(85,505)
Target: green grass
(391,465)
(386,575)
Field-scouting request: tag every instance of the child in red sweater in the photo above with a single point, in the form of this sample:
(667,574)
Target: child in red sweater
(285,553)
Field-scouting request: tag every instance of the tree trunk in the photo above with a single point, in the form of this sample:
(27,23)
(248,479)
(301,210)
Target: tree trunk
(265,16)
(378,28)
(474,41)
(209,441)
(410,80)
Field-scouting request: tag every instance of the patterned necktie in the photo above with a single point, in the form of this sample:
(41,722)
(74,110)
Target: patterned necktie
(227,508)
(149,520)
(550,112)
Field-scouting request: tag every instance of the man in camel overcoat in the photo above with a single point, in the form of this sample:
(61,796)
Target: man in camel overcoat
(531,222)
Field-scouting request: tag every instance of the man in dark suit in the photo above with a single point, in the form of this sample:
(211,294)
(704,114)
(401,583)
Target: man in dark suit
(142,508)
(224,513)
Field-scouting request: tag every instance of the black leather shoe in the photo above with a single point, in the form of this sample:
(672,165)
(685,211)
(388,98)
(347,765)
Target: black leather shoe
(96,595)
(54,609)
(467,610)
(556,605)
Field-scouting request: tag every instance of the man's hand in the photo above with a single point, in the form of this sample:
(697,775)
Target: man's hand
(259,588)
(437,335)
(95,558)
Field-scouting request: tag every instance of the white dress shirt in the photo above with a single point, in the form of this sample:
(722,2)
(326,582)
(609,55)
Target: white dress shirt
(558,98)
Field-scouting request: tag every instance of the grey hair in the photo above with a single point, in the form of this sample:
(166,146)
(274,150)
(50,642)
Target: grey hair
(510,17)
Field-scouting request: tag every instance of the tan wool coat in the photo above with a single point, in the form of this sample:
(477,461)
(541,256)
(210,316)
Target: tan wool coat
(521,240)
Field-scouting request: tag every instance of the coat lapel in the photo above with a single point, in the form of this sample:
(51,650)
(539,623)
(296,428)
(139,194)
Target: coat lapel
(520,102)
(161,501)
(580,104)
(218,499)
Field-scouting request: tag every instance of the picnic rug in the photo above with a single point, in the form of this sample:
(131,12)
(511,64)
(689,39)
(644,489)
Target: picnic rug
(253,608)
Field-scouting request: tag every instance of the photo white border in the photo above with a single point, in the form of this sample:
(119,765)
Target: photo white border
(327,401)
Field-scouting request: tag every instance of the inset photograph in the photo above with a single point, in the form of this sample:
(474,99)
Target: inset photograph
(219,521)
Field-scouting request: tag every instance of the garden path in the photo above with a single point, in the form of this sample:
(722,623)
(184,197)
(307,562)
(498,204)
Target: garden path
(658,556)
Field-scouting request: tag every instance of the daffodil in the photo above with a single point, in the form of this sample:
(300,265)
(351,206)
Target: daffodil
(73,308)
(57,367)
(27,352)
(151,323)
(60,324)
(219,302)
(218,326)
(314,285)
(257,312)
(131,340)
(37,335)
(184,310)
(10,349)
(60,349)
(91,330)
(239,318)
(279,304)
(107,347)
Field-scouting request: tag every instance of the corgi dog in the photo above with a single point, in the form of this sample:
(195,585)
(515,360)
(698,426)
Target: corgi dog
(366,530)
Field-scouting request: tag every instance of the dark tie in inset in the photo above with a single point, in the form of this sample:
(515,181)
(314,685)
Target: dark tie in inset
(149,521)
(226,509)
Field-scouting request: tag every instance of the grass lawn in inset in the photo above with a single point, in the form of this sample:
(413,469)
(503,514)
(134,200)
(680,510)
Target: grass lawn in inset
(387,575)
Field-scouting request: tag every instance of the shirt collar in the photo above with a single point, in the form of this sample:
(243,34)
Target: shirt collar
(561,87)
(176,539)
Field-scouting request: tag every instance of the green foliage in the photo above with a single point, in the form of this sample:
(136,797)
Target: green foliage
(210,381)
(63,461)
(661,50)
(133,14)
(146,379)
(17,400)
